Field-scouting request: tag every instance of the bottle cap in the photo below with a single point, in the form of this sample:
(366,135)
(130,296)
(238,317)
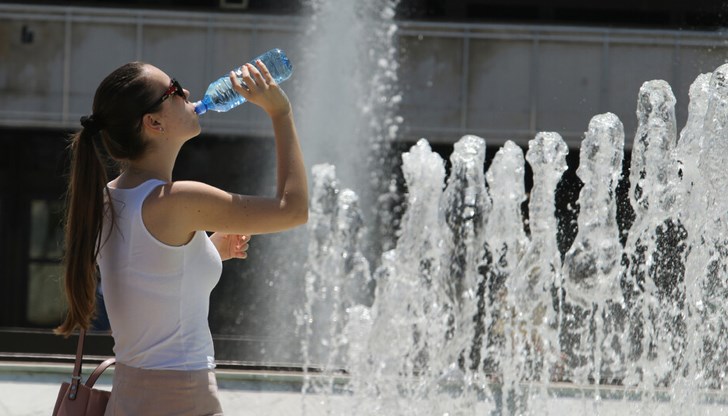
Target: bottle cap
(200,108)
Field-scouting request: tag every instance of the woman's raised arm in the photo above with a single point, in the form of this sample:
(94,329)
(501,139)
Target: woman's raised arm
(187,206)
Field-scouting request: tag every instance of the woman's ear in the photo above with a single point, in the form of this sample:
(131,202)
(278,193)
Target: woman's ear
(152,124)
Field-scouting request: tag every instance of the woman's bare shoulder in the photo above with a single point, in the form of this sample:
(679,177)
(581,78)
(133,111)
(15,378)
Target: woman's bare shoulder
(190,191)
(183,207)
(183,198)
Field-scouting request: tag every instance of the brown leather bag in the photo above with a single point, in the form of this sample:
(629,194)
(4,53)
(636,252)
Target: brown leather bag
(76,399)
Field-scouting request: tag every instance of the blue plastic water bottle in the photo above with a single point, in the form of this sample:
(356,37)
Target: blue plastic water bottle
(221,96)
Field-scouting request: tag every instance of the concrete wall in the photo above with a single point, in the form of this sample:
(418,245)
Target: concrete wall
(53,58)
(514,81)
(498,81)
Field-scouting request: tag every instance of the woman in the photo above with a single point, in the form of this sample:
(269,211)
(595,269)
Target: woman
(147,233)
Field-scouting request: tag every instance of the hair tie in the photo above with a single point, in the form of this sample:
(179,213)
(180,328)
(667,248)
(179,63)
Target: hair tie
(91,123)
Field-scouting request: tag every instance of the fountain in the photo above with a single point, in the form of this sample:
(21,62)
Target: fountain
(472,308)
(472,313)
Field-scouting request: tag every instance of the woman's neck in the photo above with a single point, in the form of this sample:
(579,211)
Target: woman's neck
(153,165)
(134,175)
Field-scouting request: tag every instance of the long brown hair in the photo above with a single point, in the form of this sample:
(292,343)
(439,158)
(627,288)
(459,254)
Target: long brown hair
(115,127)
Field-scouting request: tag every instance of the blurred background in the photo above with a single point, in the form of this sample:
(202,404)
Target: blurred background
(500,69)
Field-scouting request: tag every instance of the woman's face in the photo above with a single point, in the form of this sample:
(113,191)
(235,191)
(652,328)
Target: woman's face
(176,114)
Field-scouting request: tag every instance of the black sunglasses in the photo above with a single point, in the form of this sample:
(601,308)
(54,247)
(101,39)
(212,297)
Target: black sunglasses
(174,88)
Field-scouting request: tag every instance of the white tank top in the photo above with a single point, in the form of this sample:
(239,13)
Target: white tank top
(157,296)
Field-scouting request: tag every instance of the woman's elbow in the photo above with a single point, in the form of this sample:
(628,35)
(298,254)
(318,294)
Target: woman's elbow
(300,217)
(296,213)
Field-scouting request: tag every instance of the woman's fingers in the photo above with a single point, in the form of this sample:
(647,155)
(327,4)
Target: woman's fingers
(266,73)
(253,77)
(247,79)
(237,85)
(241,246)
(256,73)
(259,87)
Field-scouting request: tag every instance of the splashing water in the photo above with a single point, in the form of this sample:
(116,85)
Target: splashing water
(593,299)
(471,314)
(348,45)
(463,307)
(350,85)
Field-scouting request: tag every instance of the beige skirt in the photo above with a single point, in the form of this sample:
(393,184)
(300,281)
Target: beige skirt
(140,392)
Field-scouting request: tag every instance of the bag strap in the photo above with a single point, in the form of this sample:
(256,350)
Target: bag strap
(97,372)
(78,364)
(76,375)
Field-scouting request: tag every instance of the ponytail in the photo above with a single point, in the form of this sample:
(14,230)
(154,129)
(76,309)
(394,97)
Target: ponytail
(83,227)
(115,127)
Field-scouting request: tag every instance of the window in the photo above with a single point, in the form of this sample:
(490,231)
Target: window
(45,304)
(33,169)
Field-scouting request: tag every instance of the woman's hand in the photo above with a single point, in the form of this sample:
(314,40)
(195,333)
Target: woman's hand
(231,245)
(260,88)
